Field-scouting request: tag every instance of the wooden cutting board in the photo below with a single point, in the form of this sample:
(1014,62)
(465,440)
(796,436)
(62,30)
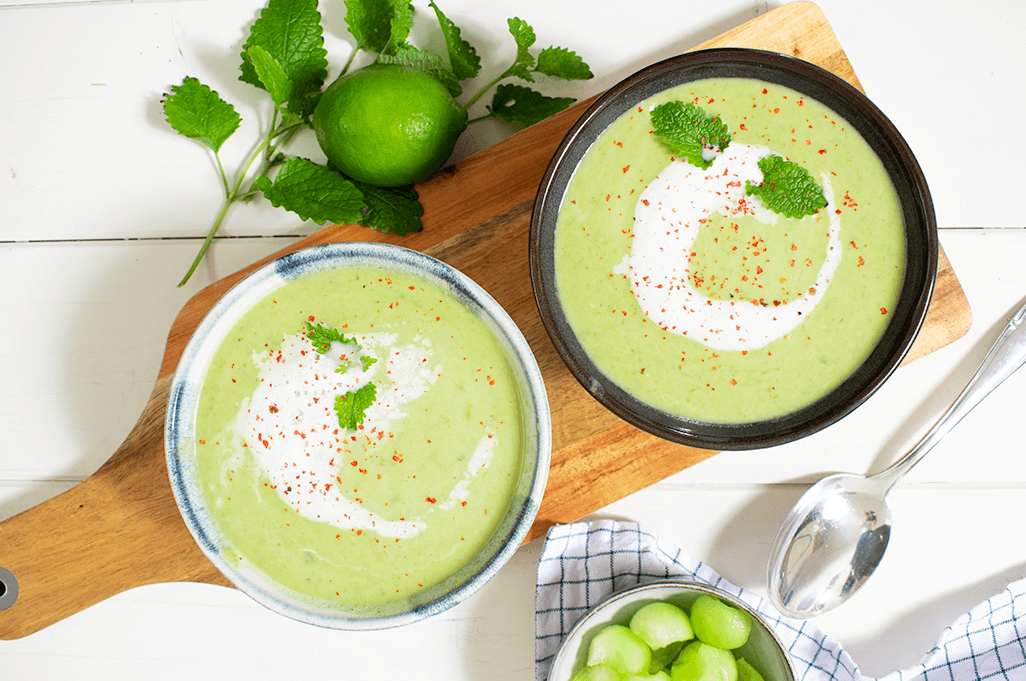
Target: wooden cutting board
(120,528)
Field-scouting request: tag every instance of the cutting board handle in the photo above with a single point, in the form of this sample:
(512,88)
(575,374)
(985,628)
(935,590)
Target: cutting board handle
(118,529)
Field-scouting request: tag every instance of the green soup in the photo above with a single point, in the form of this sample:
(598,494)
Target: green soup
(660,270)
(382,511)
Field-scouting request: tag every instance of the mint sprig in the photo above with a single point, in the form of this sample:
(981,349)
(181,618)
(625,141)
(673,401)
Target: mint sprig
(285,56)
(313,192)
(394,210)
(290,32)
(463,57)
(420,60)
(321,337)
(522,105)
(688,130)
(352,407)
(557,62)
(787,188)
(198,112)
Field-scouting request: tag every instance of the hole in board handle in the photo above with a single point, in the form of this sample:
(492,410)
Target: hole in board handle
(8,588)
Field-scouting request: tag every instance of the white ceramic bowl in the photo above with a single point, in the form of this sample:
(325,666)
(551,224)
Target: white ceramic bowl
(764,651)
(181,450)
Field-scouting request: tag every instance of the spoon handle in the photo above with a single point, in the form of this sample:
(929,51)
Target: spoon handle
(1006,356)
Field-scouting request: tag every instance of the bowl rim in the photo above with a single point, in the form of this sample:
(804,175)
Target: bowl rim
(922,245)
(682,583)
(183,399)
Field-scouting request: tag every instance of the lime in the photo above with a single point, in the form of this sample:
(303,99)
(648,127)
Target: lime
(387,125)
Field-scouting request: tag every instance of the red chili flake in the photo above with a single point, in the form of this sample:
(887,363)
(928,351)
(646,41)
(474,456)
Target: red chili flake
(862,261)
(626,168)
(431,500)
(765,91)
(607,196)
(311,318)
(822,151)
(742,126)
(883,310)
(412,288)
(463,503)
(645,201)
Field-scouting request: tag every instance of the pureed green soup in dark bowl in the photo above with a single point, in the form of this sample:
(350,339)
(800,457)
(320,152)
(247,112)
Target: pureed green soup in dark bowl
(681,299)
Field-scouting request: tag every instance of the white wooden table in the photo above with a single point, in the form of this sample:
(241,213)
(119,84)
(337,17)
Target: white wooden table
(102,208)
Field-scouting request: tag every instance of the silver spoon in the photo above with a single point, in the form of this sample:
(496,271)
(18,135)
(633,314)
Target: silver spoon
(836,534)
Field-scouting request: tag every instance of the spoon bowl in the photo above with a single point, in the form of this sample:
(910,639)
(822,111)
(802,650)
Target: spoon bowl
(836,535)
(830,543)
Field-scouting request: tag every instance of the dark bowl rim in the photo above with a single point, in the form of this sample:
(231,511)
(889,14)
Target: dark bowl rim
(922,246)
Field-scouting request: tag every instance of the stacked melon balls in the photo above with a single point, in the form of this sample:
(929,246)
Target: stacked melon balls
(665,643)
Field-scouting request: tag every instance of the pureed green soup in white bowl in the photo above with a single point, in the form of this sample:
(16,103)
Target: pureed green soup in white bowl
(358,436)
(683,301)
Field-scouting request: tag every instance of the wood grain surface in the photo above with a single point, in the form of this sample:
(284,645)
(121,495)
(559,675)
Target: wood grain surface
(121,528)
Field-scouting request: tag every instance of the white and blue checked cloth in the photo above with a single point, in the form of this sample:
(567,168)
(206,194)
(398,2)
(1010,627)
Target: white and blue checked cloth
(583,563)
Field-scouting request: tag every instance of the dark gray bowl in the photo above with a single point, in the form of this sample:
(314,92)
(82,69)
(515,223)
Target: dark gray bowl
(818,84)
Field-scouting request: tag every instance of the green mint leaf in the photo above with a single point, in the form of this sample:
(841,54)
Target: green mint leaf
(313,192)
(519,104)
(290,32)
(352,407)
(560,62)
(787,188)
(196,111)
(391,210)
(367,361)
(419,60)
(370,23)
(687,129)
(321,337)
(524,36)
(272,76)
(463,57)
(400,25)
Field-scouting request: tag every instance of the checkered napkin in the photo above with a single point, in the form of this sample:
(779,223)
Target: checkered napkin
(583,563)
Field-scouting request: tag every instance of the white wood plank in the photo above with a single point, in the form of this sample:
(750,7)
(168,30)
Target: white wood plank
(88,325)
(84,149)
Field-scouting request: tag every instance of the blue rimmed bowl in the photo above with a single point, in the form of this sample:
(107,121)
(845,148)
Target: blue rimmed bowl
(180,441)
